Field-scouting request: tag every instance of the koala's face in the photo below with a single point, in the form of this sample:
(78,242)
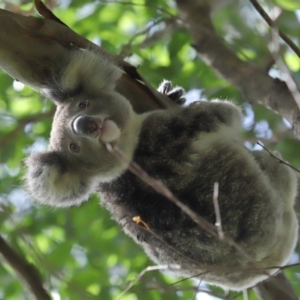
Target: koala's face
(90,114)
(78,158)
(84,124)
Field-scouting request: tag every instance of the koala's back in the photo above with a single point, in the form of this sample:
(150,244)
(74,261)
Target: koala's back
(188,152)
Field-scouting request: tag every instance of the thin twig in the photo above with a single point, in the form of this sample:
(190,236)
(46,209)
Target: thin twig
(245,294)
(171,25)
(127,46)
(217,211)
(279,159)
(271,23)
(151,268)
(289,80)
(198,288)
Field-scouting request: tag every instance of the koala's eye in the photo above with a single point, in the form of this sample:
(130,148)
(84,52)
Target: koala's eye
(74,147)
(84,104)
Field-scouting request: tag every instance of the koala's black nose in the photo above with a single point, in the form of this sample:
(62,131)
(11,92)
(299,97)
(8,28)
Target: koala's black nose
(86,125)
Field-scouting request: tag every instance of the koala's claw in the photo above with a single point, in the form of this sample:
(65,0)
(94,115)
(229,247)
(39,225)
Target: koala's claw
(176,94)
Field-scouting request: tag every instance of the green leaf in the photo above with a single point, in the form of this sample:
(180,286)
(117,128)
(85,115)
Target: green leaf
(288,4)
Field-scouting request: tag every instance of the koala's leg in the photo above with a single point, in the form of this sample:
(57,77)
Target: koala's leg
(283,181)
(282,178)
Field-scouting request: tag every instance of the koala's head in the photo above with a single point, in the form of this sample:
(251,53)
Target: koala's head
(78,159)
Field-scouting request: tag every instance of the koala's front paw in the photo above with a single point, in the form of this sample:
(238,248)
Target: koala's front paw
(176,94)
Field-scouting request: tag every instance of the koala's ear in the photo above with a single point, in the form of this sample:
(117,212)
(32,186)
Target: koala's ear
(50,180)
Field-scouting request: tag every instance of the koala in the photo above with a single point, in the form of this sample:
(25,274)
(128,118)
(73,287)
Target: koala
(176,94)
(185,148)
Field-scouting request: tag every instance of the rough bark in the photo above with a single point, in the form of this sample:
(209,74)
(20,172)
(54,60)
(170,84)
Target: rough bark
(45,40)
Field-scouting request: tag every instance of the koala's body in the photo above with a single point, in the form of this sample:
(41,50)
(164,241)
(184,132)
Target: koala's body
(188,149)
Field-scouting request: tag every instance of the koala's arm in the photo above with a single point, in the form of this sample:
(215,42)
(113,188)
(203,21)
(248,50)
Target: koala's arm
(51,182)
(224,115)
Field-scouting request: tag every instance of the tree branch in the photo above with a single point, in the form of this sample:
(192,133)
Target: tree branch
(27,271)
(254,84)
(21,123)
(276,288)
(45,41)
(273,26)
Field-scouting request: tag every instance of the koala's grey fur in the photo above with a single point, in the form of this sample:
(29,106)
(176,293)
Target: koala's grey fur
(188,149)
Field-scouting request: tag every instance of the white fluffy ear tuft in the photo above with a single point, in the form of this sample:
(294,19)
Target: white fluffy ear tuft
(49,180)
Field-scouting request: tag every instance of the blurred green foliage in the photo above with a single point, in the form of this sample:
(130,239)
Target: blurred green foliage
(80,252)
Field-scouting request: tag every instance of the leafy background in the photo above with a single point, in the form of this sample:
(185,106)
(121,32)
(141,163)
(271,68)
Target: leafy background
(80,252)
